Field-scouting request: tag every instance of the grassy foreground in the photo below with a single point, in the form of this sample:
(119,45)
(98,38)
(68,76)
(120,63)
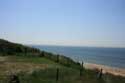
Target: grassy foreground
(42,70)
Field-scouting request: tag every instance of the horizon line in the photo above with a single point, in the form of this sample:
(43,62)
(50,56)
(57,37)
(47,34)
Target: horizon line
(74,46)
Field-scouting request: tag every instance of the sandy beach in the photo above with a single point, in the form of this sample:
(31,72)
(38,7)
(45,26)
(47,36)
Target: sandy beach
(106,69)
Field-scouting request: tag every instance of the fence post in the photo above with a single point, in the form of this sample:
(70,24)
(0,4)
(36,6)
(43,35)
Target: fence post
(57,74)
(80,72)
(57,58)
(100,73)
(81,69)
(82,64)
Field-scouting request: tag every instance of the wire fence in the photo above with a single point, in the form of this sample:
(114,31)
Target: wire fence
(57,75)
(54,75)
(71,72)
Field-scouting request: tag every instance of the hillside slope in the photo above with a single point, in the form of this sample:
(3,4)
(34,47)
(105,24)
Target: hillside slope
(10,48)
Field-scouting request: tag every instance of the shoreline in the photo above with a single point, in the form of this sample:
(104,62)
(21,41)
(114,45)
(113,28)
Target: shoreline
(106,69)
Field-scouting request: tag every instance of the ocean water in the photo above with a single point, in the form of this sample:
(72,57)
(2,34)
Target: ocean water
(114,57)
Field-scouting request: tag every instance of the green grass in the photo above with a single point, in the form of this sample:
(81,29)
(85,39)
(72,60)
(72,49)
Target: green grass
(67,74)
(30,59)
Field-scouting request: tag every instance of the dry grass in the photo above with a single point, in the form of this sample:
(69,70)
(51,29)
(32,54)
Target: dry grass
(8,67)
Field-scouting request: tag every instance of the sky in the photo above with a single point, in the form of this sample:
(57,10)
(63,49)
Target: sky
(99,23)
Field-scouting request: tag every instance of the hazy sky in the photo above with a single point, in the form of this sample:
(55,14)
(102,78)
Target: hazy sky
(64,22)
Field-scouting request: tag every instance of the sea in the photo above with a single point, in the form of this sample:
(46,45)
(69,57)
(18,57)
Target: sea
(113,57)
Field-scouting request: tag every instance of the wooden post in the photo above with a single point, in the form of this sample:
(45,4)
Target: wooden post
(82,64)
(100,73)
(57,74)
(57,58)
(80,72)
(81,69)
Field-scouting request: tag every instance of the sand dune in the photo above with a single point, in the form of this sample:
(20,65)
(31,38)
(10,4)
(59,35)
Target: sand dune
(106,69)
